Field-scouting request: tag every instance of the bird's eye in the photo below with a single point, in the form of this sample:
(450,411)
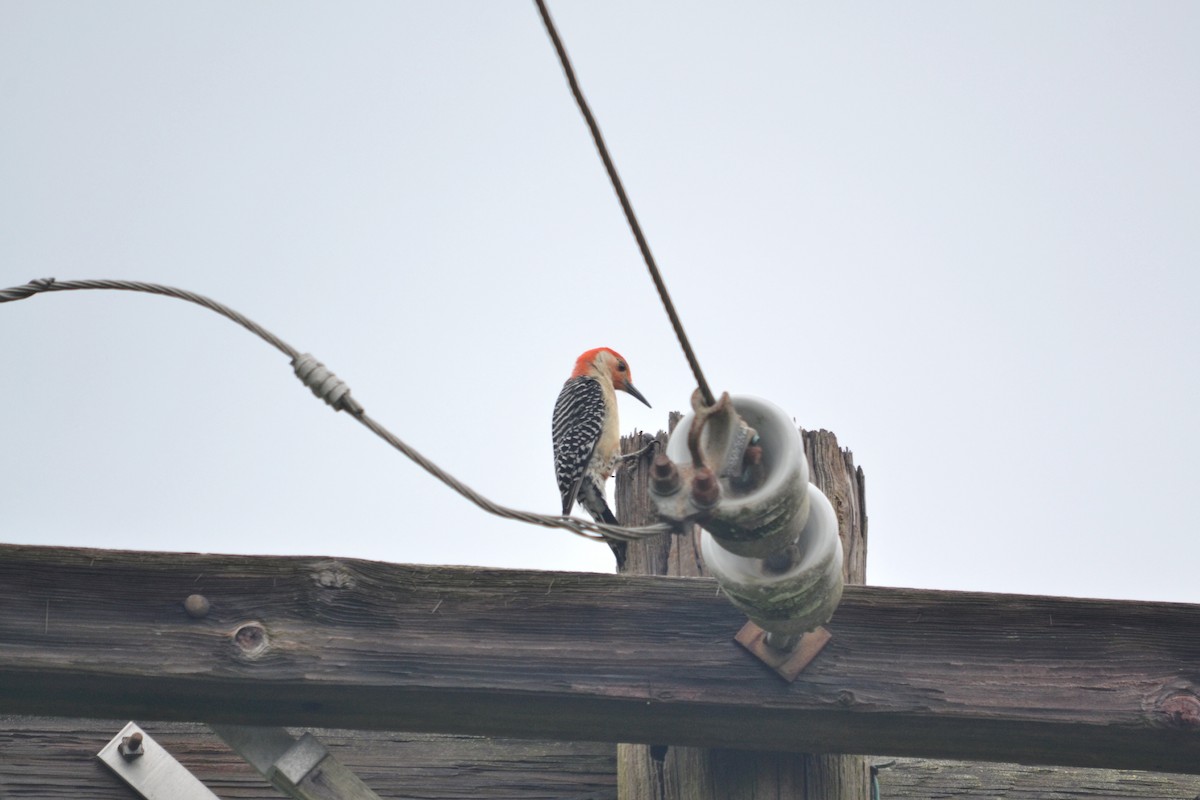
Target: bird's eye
(621,366)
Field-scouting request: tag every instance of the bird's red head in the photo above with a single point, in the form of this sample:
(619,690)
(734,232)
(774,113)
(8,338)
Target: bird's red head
(606,361)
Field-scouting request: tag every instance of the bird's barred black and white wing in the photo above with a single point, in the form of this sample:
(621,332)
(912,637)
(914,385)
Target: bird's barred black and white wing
(578,422)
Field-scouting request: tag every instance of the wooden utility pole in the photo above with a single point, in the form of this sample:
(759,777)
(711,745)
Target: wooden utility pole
(690,773)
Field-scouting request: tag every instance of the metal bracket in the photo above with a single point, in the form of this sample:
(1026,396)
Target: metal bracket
(150,770)
(300,768)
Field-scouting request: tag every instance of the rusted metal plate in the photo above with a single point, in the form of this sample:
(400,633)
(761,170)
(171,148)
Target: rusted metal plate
(788,664)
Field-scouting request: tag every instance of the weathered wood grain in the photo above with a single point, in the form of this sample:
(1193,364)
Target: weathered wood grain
(912,779)
(53,757)
(366,645)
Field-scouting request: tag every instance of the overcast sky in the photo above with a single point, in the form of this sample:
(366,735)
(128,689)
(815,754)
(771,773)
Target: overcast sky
(963,236)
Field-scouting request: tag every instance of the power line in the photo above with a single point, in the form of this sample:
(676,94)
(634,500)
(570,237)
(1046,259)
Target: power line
(51,285)
(626,206)
(336,394)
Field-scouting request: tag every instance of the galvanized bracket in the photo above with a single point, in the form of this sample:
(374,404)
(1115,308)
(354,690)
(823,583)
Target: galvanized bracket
(150,770)
(300,768)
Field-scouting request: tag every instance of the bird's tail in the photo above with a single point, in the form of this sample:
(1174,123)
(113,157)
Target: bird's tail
(620,549)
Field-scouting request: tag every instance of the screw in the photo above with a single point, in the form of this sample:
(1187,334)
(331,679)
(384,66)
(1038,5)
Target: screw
(705,489)
(664,477)
(196,605)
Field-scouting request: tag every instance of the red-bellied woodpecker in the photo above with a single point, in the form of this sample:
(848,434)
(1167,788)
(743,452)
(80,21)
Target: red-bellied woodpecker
(587,438)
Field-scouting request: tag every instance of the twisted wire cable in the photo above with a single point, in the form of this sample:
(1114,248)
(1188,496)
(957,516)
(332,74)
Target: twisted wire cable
(327,386)
(51,285)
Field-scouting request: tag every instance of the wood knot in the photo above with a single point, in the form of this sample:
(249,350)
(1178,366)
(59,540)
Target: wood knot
(845,698)
(333,576)
(251,640)
(1180,711)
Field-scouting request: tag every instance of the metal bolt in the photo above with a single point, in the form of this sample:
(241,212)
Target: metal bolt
(705,489)
(196,605)
(664,477)
(131,747)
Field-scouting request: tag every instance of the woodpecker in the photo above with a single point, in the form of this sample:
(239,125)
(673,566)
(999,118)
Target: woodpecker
(587,437)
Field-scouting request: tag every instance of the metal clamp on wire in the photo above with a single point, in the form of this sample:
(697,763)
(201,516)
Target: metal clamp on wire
(770,538)
(324,384)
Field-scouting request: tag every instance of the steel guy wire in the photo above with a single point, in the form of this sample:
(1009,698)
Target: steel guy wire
(626,206)
(327,386)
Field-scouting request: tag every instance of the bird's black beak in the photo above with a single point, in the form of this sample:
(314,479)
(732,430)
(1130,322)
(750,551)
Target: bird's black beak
(629,388)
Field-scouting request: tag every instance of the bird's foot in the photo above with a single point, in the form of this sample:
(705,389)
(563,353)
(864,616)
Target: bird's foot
(636,454)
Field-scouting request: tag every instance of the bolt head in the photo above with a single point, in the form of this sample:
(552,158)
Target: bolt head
(664,476)
(705,489)
(196,606)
